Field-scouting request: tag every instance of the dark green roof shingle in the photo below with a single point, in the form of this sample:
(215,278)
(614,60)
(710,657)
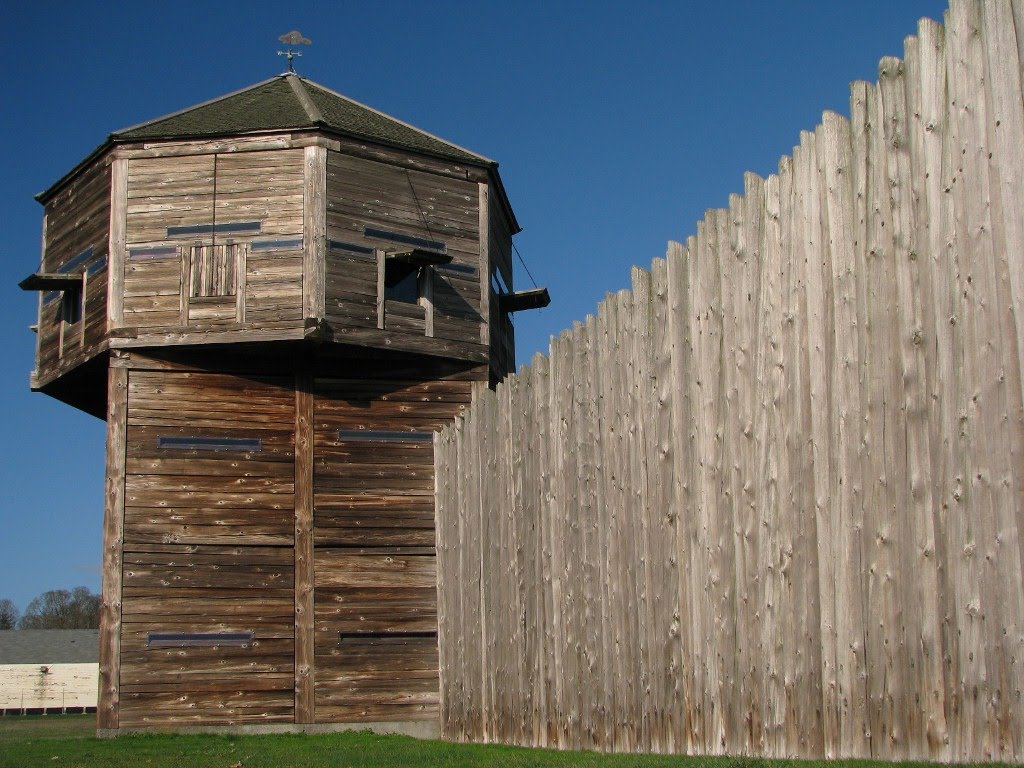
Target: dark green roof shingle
(277,105)
(49,646)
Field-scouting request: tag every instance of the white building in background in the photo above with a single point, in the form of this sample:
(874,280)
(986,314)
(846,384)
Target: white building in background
(46,671)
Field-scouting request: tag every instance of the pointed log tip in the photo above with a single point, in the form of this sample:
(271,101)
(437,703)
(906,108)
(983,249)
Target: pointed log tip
(890,66)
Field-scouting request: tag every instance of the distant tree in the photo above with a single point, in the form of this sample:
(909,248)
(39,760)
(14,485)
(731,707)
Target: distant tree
(8,614)
(60,609)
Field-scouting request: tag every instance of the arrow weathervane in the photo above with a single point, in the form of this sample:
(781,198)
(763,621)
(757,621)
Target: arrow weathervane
(292,39)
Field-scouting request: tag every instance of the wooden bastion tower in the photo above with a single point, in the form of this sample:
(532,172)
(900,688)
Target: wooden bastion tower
(274,299)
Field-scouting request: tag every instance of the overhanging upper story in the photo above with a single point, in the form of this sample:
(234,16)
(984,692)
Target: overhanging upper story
(281,213)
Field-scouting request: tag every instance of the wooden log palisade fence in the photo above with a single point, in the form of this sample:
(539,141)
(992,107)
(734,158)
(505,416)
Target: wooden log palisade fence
(770,501)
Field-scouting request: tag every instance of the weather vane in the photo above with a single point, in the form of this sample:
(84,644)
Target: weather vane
(293,39)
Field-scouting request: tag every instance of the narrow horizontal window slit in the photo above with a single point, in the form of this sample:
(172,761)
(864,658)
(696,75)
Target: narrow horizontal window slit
(464,269)
(384,436)
(399,237)
(351,249)
(185,443)
(156,252)
(399,635)
(288,244)
(227,227)
(96,266)
(198,639)
(77,261)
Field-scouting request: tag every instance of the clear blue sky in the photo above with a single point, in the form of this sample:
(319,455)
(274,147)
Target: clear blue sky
(616,125)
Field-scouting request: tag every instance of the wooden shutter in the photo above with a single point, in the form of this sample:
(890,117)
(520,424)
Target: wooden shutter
(214,270)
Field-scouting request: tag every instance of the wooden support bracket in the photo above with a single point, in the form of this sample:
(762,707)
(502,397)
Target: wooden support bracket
(535,298)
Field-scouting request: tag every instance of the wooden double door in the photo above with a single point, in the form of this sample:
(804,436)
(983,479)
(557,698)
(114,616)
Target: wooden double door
(278,558)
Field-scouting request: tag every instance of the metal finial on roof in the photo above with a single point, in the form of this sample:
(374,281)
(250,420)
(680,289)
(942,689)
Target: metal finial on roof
(292,39)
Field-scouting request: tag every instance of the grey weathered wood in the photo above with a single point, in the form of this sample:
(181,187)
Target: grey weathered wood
(643,457)
(314,231)
(970,204)
(220,146)
(838,210)
(1005,118)
(799,439)
(117,240)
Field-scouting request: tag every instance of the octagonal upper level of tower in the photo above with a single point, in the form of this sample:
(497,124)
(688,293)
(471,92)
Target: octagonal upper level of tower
(284,212)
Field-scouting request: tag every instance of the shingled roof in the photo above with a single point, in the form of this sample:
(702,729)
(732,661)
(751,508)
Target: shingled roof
(289,102)
(49,646)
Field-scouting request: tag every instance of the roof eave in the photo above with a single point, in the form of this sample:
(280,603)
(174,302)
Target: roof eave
(474,161)
(114,140)
(213,135)
(321,127)
(47,194)
(503,195)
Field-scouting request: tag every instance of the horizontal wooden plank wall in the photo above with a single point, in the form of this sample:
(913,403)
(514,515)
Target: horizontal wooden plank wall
(273,287)
(208,547)
(363,193)
(373,530)
(211,538)
(770,501)
(199,190)
(351,288)
(76,228)
(48,686)
(174,195)
(261,186)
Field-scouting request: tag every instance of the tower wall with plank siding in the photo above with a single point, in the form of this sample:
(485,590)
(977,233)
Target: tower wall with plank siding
(213,242)
(76,228)
(269,547)
(220,540)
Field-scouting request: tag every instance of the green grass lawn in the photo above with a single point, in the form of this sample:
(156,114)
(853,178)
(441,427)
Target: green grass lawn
(68,741)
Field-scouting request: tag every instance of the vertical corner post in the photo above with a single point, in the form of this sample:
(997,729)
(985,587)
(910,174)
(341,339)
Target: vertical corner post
(113,549)
(314,232)
(304,604)
(380,257)
(485,268)
(117,243)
